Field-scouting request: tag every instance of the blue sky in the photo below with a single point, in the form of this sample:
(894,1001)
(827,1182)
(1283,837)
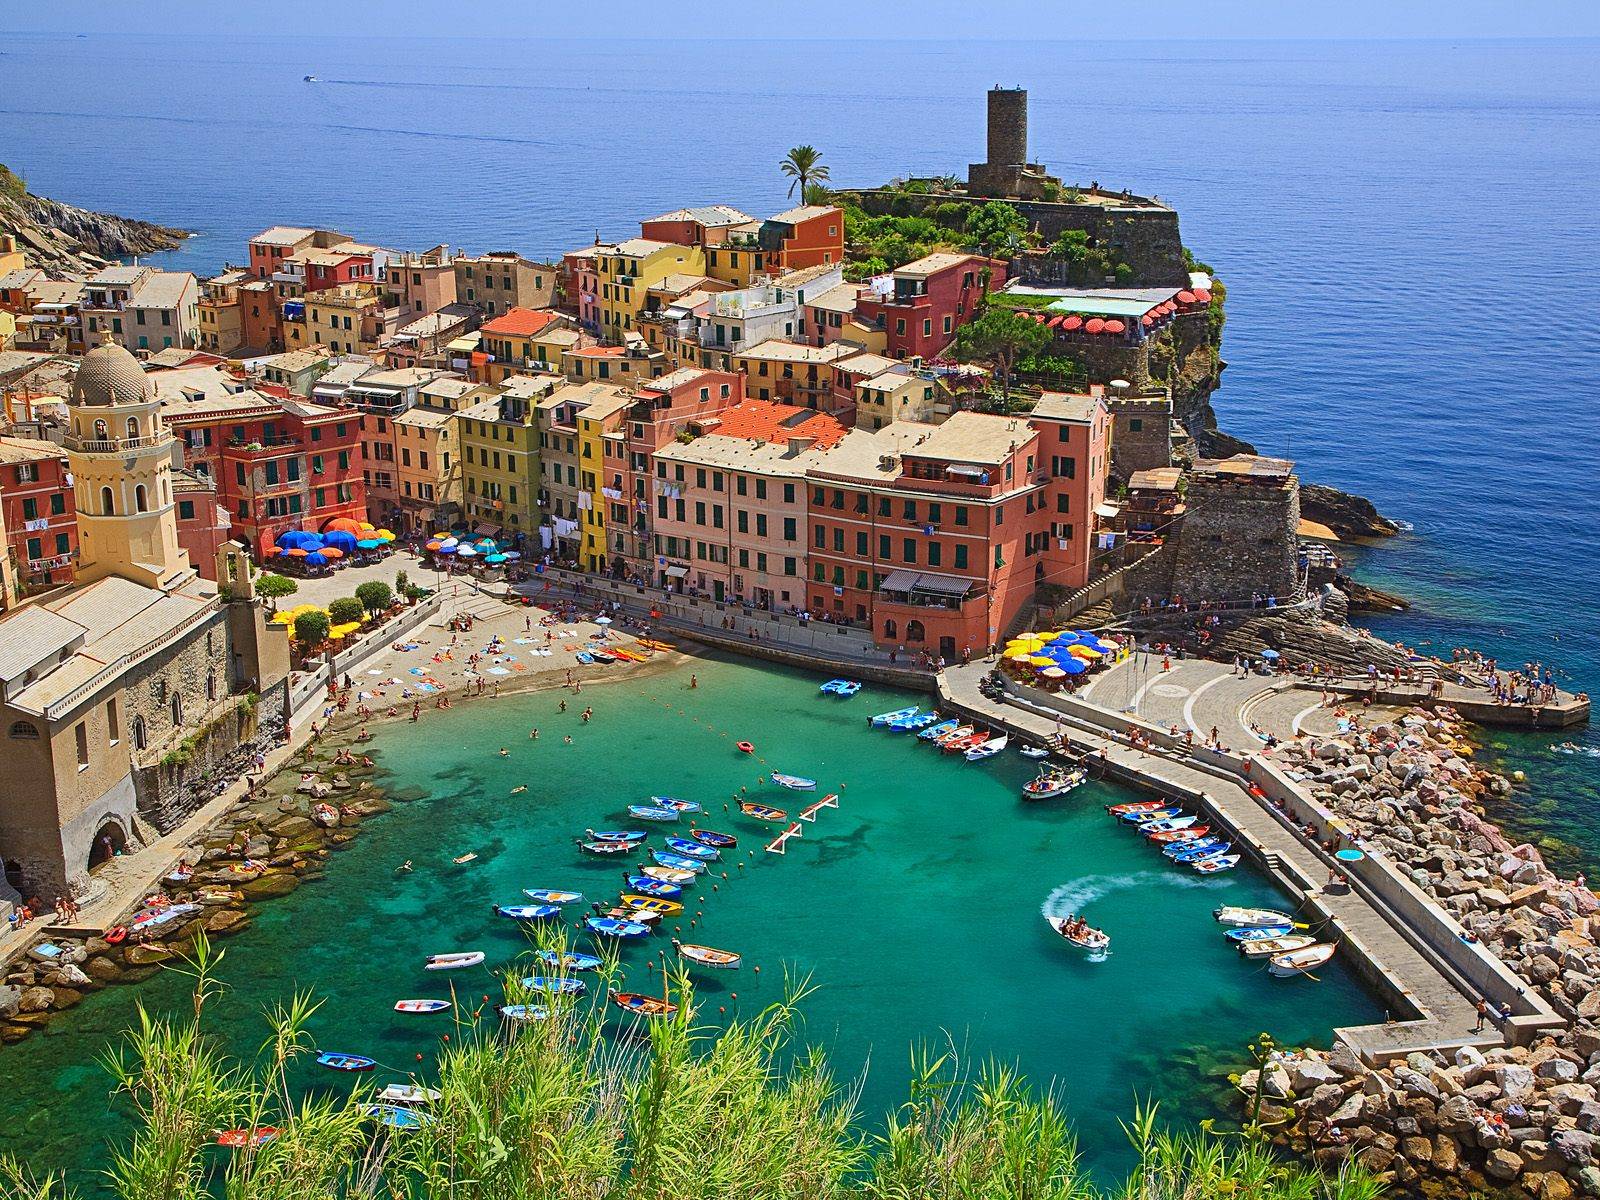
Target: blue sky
(1031,19)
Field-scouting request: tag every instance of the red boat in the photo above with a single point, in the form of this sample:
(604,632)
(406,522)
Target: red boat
(237,1139)
(1182,835)
(961,745)
(642,1005)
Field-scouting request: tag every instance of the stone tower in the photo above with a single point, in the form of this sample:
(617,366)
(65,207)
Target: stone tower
(121,452)
(1239,533)
(1008,127)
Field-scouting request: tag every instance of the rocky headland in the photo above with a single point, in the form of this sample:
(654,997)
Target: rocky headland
(64,239)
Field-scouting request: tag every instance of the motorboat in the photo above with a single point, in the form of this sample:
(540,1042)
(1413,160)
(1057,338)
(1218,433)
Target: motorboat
(1138,806)
(1300,962)
(1258,933)
(934,732)
(1232,915)
(1270,947)
(641,1005)
(1190,850)
(569,960)
(421,1007)
(1165,824)
(527,912)
(762,812)
(693,849)
(988,749)
(407,1093)
(454,961)
(794,783)
(1034,752)
(646,812)
(669,875)
(345,1062)
(710,837)
(616,835)
(523,1013)
(647,886)
(399,1116)
(682,862)
(898,714)
(1190,833)
(913,723)
(551,896)
(635,916)
(1215,863)
(613,927)
(1052,783)
(1139,816)
(840,687)
(554,985)
(707,956)
(960,731)
(672,802)
(1083,936)
(607,847)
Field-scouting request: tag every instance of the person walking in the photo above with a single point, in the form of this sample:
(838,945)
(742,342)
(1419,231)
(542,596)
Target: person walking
(1483,1015)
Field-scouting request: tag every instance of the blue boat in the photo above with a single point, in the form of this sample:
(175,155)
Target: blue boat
(693,849)
(346,1062)
(527,912)
(551,896)
(840,687)
(523,1012)
(672,802)
(681,861)
(646,886)
(1182,850)
(399,1116)
(910,724)
(1154,814)
(939,730)
(616,835)
(1258,933)
(794,783)
(1210,849)
(710,837)
(554,985)
(646,812)
(584,657)
(899,714)
(569,960)
(611,927)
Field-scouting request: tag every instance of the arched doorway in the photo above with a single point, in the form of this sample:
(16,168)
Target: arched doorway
(915,632)
(109,841)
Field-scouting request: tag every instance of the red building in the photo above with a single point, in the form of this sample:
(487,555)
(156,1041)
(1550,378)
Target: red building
(809,236)
(708,225)
(203,524)
(348,263)
(1075,457)
(41,525)
(932,298)
(278,464)
(933,537)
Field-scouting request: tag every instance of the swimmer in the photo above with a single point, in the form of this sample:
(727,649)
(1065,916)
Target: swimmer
(567,740)
(519,789)
(403,867)
(504,752)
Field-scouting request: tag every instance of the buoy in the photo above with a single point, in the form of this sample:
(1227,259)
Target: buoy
(419,1058)
(757,970)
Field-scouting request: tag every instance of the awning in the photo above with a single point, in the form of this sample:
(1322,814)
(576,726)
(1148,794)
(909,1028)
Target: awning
(675,572)
(1107,510)
(943,585)
(898,581)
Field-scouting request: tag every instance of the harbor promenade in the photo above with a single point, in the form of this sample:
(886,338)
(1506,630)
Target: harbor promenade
(1405,947)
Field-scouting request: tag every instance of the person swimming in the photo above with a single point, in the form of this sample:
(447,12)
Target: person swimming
(521,787)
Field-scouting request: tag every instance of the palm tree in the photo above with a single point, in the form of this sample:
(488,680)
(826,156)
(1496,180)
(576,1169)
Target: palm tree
(803,164)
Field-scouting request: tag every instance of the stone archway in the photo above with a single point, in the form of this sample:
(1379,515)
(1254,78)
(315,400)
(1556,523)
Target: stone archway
(109,840)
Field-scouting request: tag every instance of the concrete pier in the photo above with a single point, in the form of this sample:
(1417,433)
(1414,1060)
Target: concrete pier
(1389,932)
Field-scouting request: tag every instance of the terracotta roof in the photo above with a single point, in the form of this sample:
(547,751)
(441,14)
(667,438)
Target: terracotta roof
(599,351)
(521,322)
(24,450)
(766,421)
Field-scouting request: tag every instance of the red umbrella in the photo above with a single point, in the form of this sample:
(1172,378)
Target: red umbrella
(1093,325)
(296,552)
(274,551)
(1169,307)
(1147,320)
(1185,297)
(1055,322)
(1202,295)
(1072,322)
(1115,326)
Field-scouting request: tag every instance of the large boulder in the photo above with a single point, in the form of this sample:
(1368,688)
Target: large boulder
(1557,1070)
(1575,1146)
(36,999)
(1513,1080)
(269,886)
(1308,1074)
(1502,1164)
(10,1000)
(1457,1116)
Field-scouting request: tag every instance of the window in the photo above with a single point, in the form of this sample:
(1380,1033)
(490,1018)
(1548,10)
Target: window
(113,725)
(961,514)
(961,557)
(1063,503)
(820,537)
(107,508)
(861,544)
(186,510)
(141,501)
(935,554)
(80,734)
(24,730)
(30,509)
(789,533)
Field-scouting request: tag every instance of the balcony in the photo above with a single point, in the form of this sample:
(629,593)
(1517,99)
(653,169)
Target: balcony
(925,589)
(263,445)
(115,445)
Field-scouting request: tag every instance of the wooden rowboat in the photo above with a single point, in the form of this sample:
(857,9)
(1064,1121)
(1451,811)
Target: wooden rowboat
(708,956)
(762,812)
(641,1005)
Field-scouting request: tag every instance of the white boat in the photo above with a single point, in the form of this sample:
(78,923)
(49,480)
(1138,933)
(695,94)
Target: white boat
(1097,942)
(1230,915)
(989,749)
(1052,783)
(407,1093)
(1215,863)
(421,1006)
(1034,752)
(1271,947)
(1299,962)
(453,962)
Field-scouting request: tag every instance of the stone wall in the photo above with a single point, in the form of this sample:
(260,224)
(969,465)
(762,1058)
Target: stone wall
(1237,539)
(1141,434)
(172,691)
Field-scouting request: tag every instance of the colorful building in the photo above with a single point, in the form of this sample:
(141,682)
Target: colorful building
(811,235)
(1075,458)
(930,299)
(706,226)
(562,489)
(630,363)
(793,373)
(420,284)
(142,308)
(500,457)
(499,282)
(347,318)
(602,465)
(428,455)
(629,269)
(511,342)
(203,524)
(36,509)
(271,249)
(221,324)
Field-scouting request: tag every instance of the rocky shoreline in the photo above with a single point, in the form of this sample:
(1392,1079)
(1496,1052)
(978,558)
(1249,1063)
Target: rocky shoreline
(65,239)
(1522,1118)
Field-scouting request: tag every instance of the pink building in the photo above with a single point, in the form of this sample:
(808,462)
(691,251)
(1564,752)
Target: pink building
(580,286)
(1075,455)
(730,506)
(932,298)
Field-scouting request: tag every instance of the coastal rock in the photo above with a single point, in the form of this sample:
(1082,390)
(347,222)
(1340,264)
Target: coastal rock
(1589,1181)
(102,969)
(60,237)
(1347,515)
(35,999)
(1416,1083)
(1557,1070)
(1502,1164)
(225,921)
(146,955)
(1310,1073)
(1457,1115)
(68,975)
(1446,1154)
(269,886)
(1575,1146)
(10,1000)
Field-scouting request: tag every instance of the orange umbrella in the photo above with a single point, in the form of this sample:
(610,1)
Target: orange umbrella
(347,524)
(297,552)
(331,552)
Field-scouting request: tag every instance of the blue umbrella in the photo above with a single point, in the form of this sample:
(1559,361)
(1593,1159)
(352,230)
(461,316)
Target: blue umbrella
(1072,666)
(340,539)
(315,560)
(1065,639)
(513,553)
(368,544)
(298,539)
(445,550)
(494,558)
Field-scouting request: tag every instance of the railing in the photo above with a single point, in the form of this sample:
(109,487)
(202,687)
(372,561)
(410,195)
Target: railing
(115,445)
(66,703)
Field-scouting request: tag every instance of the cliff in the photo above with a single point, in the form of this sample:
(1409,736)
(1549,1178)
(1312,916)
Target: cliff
(64,239)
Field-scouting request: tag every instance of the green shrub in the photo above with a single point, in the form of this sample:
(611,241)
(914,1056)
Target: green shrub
(275,587)
(311,628)
(346,609)
(375,596)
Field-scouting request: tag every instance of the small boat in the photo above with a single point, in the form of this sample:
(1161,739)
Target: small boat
(933,732)
(325,815)
(762,812)
(961,745)
(407,1093)
(840,687)
(399,1116)
(558,985)
(672,802)
(898,714)
(643,1006)
(669,875)
(453,962)
(421,1006)
(569,960)
(345,1062)
(913,723)
(1034,752)
(1231,915)
(1139,816)
(607,847)
(1096,941)
(988,749)
(527,912)
(710,837)
(707,956)
(238,1139)
(960,731)
(616,835)
(647,886)
(1268,947)
(1216,863)
(612,927)
(693,849)
(652,904)
(551,896)
(520,1013)
(462,860)
(635,916)
(745,747)
(794,782)
(1050,784)
(644,812)
(1299,962)
(1182,850)
(682,862)
(1166,824)
(1191,833)
(656,644)
(601,656)
(308,78)
(1141,806)
(585,658)
(1258,933)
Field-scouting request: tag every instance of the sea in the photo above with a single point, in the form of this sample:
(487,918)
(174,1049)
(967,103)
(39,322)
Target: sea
(1406,230)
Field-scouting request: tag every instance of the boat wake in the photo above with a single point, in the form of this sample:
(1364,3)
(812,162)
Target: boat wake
(1076,896)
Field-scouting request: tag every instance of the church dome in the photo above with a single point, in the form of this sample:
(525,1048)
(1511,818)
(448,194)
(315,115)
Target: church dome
(110,375)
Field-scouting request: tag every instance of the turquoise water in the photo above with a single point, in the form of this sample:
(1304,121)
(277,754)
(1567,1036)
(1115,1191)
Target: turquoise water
(914,907)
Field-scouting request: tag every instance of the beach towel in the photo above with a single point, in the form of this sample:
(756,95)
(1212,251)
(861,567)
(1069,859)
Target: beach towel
(498,671)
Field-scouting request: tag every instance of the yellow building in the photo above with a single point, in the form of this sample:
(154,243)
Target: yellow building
(347,319)
(740,259)
(629,269)
(500,455)
(901,393)
(601,460)
(633,363)
(427,452)
(521,340)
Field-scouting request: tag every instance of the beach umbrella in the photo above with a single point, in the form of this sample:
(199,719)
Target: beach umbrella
(1115,326)
(295,538)
(385,535)
(433,545)
(316,559)
(1094,325)
(1102,645)
(1052,673)
(368,544)
(1270,655)
(1065,638)
(1071,323)
(339,539)
(1073,666)
(1042,660)
(602,620)
(1018,655)
(1349,855)
(1085,652)
(366,526)
(512,554)
(467,551)
(495,559)
(331,552)
(447,549)
(297,552)
(448,543)
(274,551)
(343,525)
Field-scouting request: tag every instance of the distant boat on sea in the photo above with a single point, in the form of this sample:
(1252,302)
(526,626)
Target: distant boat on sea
(311,79)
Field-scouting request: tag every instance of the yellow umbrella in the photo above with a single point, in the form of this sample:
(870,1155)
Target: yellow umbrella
(1042,660)
(1083,652)
(1019,655)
